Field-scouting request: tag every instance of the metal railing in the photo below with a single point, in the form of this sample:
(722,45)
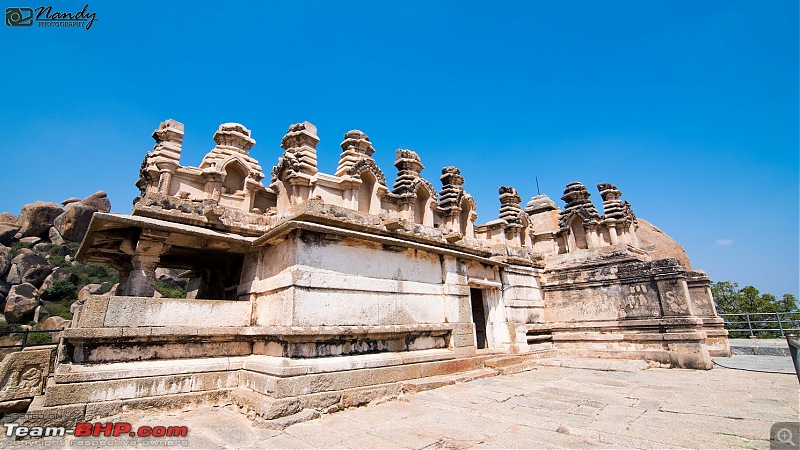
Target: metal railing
(778,323)
(25,333)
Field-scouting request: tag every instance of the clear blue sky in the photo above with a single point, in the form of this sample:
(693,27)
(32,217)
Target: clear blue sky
(690,108)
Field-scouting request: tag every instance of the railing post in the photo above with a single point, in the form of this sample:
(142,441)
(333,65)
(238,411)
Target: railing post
(793,343)
(780,325)
(749,325)
(24,340)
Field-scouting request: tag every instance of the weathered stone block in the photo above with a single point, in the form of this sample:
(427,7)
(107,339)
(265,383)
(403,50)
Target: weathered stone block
(23,374)
(358,397)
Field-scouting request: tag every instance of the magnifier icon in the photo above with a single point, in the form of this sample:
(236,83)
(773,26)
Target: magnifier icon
(784,436)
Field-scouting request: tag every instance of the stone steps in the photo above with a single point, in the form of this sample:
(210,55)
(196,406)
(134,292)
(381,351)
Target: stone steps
(474,375)
(426,384)
(504,361)
(260,405)
(287,421)
(279,413)
(519,367)
(605,365)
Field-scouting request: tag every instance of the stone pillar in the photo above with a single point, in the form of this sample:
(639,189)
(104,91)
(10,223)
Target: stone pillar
(457,306)
(212,182)
(142,279)
(163,182)
(350,193)
(124,275)
(632,238)
(612,232)
(166,170)
(300,189)
(674,294)
(590,231)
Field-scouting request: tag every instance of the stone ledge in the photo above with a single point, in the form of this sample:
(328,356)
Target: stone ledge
(620,325)
(100,410)
(197,333)
(285,367)
(74,373)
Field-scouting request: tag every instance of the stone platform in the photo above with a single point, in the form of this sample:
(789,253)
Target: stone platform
(558,404)
(761,347)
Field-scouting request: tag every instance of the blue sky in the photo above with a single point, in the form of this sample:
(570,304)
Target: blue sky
(690,108)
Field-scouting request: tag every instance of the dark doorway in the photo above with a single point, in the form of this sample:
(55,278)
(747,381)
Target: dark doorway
(478,316)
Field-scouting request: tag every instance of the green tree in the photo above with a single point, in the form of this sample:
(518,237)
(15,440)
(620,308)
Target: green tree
(787,303)
(730,299)
(726,297)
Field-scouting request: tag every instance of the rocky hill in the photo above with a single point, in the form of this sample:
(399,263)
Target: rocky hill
(39,278)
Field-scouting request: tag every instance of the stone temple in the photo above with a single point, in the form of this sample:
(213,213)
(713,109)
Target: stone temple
(316,291)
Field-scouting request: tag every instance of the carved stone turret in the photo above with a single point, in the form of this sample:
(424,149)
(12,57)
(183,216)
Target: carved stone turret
(509,205)
(539,204)
(613,208)
(234,136)
(355,147)
(169,137)
(160,164)
(577,198)
(300,154)
(452,190)
(356,157)
(231,154)
(409,167)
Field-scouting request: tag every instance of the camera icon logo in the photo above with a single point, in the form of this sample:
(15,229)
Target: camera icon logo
(19,17)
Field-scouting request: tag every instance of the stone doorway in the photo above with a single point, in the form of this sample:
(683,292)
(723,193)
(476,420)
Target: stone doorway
(478,317)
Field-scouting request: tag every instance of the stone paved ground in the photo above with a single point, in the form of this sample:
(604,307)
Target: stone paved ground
(544,408)
(548,407)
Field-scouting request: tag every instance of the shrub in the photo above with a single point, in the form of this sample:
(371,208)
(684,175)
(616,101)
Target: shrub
(15,248)
(39,338)
(172,289)
(93,272)
(61,290)
(60,309)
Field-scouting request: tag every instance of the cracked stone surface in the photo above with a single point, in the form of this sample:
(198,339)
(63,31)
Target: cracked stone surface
(549,407)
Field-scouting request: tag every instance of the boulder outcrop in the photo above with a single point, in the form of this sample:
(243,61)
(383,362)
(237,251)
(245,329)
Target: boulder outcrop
(8,226)
(89,290)
(5,260)
(73,223)
(29,268)
(4,288)
(21,303)
(35,219)
(659,245)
